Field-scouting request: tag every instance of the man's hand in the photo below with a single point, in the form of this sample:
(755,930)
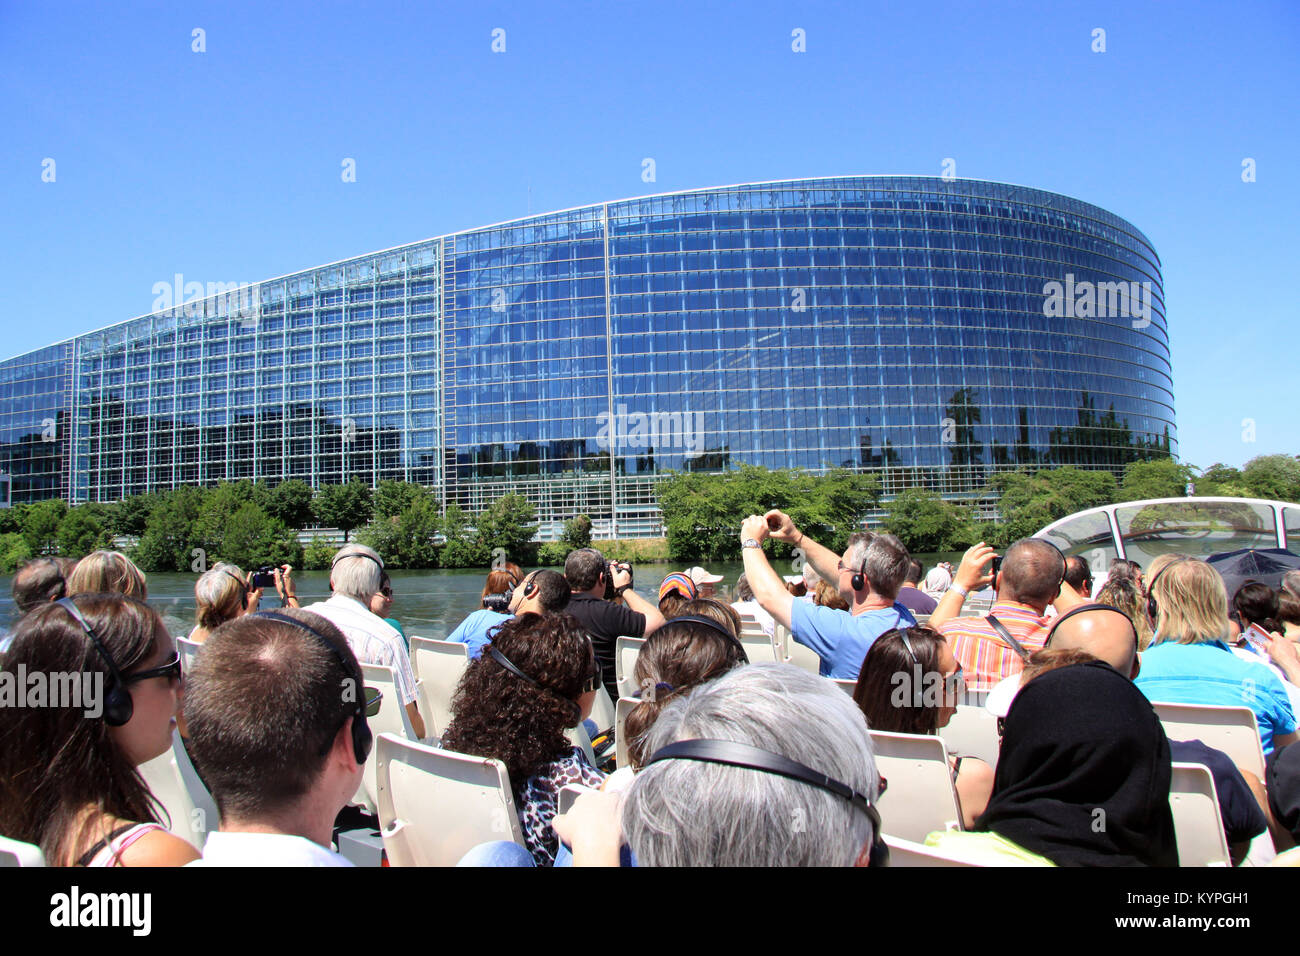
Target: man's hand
(593,828)
(622,575)
(784,529)
(254,597)
(284,583)
(754,527)
(971,574)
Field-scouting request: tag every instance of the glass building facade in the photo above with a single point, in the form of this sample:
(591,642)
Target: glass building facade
(931,331)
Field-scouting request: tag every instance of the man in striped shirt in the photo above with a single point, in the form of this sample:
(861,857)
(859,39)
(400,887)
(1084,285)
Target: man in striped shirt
(1029,580)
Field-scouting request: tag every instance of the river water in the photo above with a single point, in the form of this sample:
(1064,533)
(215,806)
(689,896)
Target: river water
(426,603)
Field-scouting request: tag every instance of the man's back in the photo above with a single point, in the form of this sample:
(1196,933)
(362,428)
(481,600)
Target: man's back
(266,849)
(984,656)
(842,639)
(475,629)
(371,639)
(606,622)
(916,600)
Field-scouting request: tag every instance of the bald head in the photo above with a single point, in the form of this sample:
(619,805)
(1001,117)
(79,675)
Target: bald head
(1032,571)
(1104,632)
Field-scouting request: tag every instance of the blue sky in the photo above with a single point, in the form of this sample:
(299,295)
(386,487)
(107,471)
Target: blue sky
(225,165)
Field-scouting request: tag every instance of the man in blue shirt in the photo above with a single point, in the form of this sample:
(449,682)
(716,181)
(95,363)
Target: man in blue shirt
(868,577)
(537,593)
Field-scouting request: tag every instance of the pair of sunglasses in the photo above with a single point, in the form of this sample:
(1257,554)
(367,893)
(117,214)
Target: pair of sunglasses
(171,670)
(374,697)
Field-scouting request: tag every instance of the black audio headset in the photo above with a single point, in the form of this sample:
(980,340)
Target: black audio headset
(118,706)
(362,738)
(859,579)
(508,665)
(1153,609)
(711,624)
(731,753)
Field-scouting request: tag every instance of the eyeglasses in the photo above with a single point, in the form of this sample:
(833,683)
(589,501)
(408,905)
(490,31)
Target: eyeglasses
(374,697)
(386,592)
(171,670)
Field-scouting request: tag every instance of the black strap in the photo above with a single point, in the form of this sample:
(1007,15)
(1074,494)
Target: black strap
(1007,639)
(85,858)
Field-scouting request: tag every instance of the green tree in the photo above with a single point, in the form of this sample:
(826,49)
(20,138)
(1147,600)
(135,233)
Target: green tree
(1030,500)
(253,538)
(509,523)
(346,506)
(463,548)
(11,519)
(129,516)
(81,532)
(14,552)
(318,555)
(577,533)
(289,502)
(169,541)
(41,525)
(1157,478)
(394,497)
(1273,476)
(924,522)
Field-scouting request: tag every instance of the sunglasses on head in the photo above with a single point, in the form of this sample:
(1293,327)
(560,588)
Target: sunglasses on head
(171,670)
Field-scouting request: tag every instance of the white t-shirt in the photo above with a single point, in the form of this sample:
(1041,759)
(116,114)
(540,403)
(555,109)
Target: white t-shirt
(266,849)
(755,610)
(372,639)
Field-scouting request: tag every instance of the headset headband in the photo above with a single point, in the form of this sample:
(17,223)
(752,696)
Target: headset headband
(731,753)
(356,554)
(1084,608)
(505,662)
(67,604)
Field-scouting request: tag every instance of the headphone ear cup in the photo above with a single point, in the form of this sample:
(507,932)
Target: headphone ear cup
(362,738)
(856,581)
(118,706)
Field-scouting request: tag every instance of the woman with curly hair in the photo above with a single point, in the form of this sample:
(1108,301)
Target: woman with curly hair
(535,680)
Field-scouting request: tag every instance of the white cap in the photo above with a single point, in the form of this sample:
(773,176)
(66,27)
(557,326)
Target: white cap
(792,578)
(998,702)
(700,576)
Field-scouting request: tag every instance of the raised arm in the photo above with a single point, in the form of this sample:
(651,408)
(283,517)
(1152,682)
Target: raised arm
(970,576)
(769,590)
(653,618)
(824,561)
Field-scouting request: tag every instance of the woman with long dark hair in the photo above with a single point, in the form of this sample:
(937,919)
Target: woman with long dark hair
(537,679)
(909,684)
(68,777)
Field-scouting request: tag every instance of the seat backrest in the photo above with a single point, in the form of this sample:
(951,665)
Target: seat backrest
(920,798)
(848,686)
(391,719)
(1230,729)
(602,710)
(189,650)
(579,737)
(16,853)
(435,805)
(625,651)
(189,808)
(972,732)
(621,710)
(759,648)
(1198,827)
(803,658)
(439,666)
(908,853)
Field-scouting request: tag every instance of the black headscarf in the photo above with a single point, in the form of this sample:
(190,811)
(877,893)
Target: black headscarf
(1083,775)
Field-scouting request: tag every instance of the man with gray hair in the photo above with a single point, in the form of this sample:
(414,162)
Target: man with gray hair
(356,574)
(733,780)
(868,576)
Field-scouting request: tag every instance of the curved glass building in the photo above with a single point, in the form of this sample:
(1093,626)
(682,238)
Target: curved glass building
(930,330)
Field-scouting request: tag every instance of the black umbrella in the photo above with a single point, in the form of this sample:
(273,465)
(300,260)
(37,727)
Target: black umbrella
(1266,565)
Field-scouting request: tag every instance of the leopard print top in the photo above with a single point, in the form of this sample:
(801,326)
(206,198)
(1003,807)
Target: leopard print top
(538,799)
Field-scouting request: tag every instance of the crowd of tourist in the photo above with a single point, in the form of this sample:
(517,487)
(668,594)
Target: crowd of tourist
(729,762)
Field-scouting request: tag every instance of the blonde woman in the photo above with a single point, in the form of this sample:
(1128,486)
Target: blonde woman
(1123,595)
(108,572)
(1191,662)
(221,594)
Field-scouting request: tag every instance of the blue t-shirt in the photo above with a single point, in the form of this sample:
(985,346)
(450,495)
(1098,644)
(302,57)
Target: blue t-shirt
(841,639)
(1211,675)
(474,630)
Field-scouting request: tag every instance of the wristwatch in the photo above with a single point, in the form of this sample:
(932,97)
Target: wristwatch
(750,543)
(620,589)
(960,590)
